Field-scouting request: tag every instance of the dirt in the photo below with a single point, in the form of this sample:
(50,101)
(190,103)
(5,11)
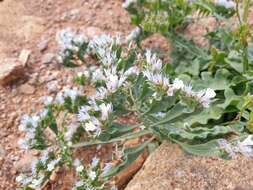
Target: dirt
(29,24)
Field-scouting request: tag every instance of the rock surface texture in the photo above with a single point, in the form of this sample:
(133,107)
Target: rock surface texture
(11,69)
(169,168)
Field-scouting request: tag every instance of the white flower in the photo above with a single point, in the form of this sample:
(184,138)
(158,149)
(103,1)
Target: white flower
(95,162)
(106,109)
(127,3)
(223,143)
(20,178)
(188,90)
(107,57)
(226,3)
(43,113)
(79,184)
(34,166)
(44,157)
(113,81)
(160,114)
(90,127)
(114,187)
(65,38)
(157,79)
(248,141)
(59,98)
(29,120)
(101,93)
(153,61)
(72,93)
(97,75)
(36,183)
(77,163)
(23,144)
(205,96)
(47,100)
(133,34)
(86,74)
(83,114)
(71,129)
(51,165)
(80,168)
(244,149)
(103,42)
(132,71)
(178,84)
(106,169)
(92,175)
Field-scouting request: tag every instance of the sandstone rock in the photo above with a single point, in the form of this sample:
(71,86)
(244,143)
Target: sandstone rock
(11,69)
(47,58)
(24,164)
(90,32)
(170,168)
(42,45)
(2,151)
(24,56)
(26,89)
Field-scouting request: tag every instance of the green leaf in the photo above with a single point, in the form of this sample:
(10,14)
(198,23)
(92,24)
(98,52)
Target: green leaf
(213,112)
(231,99)
(199,133)
(53,127)
(164,104)
(234,59)
(178,110)
(210,148)
(219,82)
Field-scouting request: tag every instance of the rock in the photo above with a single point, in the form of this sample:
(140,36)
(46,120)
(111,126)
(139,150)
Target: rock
(48,58)
(33,79)
(52,87)
(24,164)
(90,32)
(26,89)
(2,151)
(171,168)
(42,46)
(123,177)
(11,69)
(24,56)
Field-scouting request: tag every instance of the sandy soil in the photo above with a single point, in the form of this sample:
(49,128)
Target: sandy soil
(26,24)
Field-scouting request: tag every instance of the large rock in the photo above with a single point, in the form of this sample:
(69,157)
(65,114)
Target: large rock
(169,168)
(10,69)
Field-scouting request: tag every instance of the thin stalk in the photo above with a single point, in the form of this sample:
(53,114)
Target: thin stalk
(126,137)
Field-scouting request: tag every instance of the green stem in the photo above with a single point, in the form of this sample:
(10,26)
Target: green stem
(245,59)
(245,10)
(122,138)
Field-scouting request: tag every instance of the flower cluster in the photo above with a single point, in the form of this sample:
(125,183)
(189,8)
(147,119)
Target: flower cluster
(31,126)
(69,40)
(90,176)
(87,116)
(127,3)
(41,169)
(244,147)
(229,4)
(153,72)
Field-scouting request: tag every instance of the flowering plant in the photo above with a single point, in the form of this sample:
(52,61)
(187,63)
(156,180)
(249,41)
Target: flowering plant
(192,105)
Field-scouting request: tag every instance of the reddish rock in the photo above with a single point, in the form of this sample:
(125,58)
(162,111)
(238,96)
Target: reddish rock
(11,69)
(171,168)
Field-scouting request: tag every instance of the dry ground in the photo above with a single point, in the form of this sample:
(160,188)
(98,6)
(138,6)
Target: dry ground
(32,25)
